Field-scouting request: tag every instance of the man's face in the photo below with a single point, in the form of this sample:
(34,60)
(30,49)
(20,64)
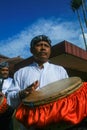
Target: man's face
(42,51)
(4,72)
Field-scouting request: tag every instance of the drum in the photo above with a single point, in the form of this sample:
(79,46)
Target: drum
(61,101)
(6,113)
(3,103)
(53,92)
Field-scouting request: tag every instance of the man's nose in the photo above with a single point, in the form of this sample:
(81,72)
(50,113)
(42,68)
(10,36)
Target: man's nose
(43,46)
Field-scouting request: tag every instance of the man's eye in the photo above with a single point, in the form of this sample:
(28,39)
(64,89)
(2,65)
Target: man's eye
(47,45)
(38,45)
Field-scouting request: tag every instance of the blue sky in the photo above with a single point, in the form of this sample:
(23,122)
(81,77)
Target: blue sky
(21,20)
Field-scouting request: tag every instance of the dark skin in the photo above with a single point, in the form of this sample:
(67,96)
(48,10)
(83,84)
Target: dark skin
(4,72)
(41,53)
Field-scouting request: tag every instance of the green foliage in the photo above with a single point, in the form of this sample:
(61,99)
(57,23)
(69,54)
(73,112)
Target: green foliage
(75,4)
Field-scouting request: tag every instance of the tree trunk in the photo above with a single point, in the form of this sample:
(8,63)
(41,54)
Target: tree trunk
(84,11)
(82,29)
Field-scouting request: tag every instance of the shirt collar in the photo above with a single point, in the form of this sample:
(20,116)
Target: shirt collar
(44,65)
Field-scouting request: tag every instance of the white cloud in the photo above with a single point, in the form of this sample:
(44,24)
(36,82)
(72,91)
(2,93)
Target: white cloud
(56,29)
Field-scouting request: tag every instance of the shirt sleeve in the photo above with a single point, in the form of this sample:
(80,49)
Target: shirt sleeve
(63,73)
(13,92)
(66,74)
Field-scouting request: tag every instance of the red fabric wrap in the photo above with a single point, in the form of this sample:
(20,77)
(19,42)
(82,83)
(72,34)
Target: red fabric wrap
(3,105)
(72,109)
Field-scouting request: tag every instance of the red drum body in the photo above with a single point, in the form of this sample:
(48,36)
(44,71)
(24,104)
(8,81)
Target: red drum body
(61,101)
(3,104)
(5,113)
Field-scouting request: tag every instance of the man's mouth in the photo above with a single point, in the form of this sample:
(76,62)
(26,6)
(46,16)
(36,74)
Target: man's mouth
(43,53)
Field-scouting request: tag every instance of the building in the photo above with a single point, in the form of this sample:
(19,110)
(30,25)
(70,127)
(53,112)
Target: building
(3,58)
(71,57)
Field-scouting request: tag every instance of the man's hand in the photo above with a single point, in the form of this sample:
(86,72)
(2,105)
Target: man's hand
(24,93)
(1,97)
(1,94)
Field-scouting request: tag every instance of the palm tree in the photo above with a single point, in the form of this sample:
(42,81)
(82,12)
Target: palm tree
(84,9)
(75,5)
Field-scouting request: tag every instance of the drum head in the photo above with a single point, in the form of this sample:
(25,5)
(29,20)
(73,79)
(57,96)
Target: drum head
(53,92)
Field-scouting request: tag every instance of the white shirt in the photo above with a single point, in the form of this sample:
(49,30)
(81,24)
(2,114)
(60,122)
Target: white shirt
(6,84)
(27,75)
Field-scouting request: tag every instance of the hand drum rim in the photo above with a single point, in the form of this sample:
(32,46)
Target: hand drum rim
(53,92)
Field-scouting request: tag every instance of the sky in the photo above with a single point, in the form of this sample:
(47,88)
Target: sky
(21,20)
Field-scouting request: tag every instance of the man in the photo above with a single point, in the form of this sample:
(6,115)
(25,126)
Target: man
(5,82)
(4,77)
(38,74)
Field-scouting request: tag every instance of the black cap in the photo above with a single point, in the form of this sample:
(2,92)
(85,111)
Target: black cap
(39,38)
(4,64)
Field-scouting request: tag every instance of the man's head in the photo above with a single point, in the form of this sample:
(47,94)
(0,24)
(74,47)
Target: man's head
(39,38)
(41,48)
(4,70)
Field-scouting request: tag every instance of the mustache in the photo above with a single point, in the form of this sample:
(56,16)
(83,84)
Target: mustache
(5,73)
(42,52)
